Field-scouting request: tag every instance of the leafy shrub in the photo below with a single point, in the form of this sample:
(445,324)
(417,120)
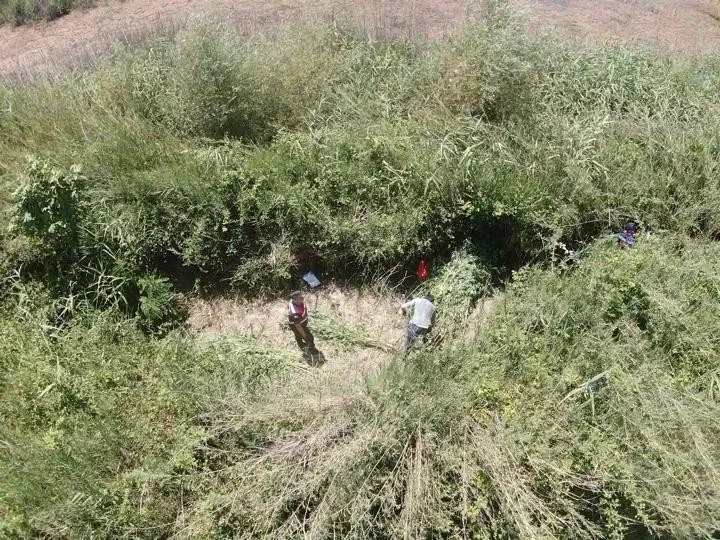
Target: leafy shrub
(159,308)
(51,206)
(456,288)
(90,265)
(24,11)
(104,427)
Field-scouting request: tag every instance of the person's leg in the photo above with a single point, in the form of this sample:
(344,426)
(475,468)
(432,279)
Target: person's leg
(410,335)
(310,339)
(298,337)
(422,334)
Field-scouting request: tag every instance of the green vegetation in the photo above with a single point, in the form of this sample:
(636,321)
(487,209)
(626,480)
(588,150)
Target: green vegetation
(587,406)
(23,11)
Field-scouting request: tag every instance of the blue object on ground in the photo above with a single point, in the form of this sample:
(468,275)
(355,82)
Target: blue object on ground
(311,279)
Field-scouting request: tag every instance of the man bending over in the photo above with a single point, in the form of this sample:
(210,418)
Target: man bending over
(421,322)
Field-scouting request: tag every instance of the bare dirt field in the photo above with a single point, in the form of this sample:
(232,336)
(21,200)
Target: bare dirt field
(691,26)
(83,32)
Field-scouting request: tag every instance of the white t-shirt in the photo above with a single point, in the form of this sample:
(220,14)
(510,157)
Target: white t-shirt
(422,312)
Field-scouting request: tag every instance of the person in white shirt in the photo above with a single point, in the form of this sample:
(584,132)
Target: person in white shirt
(421,322)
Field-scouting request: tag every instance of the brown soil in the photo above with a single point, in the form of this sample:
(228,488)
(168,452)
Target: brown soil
(679,25)
(691,26)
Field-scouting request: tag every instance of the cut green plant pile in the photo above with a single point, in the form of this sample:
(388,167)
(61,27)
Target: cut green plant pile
(586,407)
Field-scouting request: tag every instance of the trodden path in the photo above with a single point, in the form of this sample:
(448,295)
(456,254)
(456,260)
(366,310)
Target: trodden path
(342,378)
(678,25)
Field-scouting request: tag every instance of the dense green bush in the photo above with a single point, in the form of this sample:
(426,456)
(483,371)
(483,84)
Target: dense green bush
(50,208)
(456,288)
(81,255)
(536,146)
(627,315)
(385,160)
(159,307)
(89,435)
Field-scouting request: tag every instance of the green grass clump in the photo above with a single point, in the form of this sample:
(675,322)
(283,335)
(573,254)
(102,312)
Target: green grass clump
(456,288)
(327,326)
(20,12)
(111,416)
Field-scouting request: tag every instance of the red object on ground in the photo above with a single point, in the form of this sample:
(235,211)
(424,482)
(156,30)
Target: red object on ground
(423,270)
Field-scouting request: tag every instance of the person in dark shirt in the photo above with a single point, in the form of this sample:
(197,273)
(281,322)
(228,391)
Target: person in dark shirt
(298,318)
(628,237)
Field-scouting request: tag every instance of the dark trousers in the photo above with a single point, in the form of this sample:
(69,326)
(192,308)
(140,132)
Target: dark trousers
(413,333)
(305,345)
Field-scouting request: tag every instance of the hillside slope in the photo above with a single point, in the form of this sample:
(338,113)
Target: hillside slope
(87,32)
(687,25)
(138,403)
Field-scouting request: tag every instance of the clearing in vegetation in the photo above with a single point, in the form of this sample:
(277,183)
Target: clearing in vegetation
(582,402)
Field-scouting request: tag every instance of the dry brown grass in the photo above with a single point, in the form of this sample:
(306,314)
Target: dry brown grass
(687,25)
(86,34)
(309,391)
(674,25)
(261,318)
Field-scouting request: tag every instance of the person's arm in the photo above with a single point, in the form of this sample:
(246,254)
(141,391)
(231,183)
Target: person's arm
(295,319)
(406,305)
